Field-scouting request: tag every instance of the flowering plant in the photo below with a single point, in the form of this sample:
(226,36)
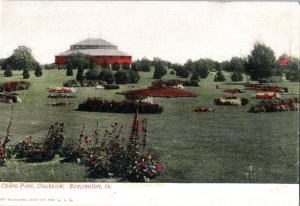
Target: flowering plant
(275,105)
(14,86)
(44,151)
(97,104)
(266,95)
(267,88)
(62,90)
(231,101)
(113,156)
(8,98)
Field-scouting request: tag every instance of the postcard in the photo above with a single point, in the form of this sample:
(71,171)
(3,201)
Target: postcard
(149,103)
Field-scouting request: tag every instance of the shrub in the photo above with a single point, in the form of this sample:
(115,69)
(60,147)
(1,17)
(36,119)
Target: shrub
(121,77)
(133,77)
(38,72)
(8,72)
(69,71)
(115,67)
(26,74)
(184,73)
(195,77)
(236,76)
(107,76)
(79,75)
(92,74)
(172,72)
(15,86)
(219,77)
(126,66)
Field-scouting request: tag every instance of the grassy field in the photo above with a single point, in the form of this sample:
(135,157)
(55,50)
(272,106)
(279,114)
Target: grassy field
(230,145)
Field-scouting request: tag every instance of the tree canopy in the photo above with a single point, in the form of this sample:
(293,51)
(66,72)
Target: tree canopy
(260,62)
(21,59)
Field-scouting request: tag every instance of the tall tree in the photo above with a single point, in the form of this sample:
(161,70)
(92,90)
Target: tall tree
(260,62)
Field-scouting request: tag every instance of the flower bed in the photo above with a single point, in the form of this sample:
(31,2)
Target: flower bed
(203,109)
(84,83)
(231,101)
(278,105)
(14,86)
(61,90)
(61,95)
(7,98)
(172,83)
(60,103)
(233,91)
(266,95)
(159,92)
(267,88)
(97,104)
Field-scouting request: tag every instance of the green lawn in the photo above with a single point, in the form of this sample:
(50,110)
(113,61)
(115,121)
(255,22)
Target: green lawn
(230,145)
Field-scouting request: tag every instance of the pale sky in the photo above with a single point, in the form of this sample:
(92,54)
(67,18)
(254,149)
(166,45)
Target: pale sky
(174,31)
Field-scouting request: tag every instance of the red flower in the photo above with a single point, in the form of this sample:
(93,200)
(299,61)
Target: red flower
(142,164)
(159,167)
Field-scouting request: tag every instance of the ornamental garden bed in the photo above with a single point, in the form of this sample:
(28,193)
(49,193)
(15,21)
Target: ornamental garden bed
(275,105)
(14,86)
(173,83)
(231,101)
(268,88)
(159,92)
(97,104)
(8,98)
(266,95)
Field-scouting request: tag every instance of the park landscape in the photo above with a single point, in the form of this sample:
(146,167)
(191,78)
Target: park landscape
(234,121)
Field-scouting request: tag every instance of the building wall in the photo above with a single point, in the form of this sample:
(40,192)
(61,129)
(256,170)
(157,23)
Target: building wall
(99,60)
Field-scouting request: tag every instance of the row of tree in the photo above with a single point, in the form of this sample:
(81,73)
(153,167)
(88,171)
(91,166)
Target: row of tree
(259,64)
(21,59)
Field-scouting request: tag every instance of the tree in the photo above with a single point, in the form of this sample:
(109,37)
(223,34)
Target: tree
(236,76)
(21,59)
(145,65)
(69,71)
(107,76)
(292,69)
(195,77)
(219,77)
(121,77)
(203,67)
(38,72)
(159,70)
(133,77)
(189,65)
(260,62)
